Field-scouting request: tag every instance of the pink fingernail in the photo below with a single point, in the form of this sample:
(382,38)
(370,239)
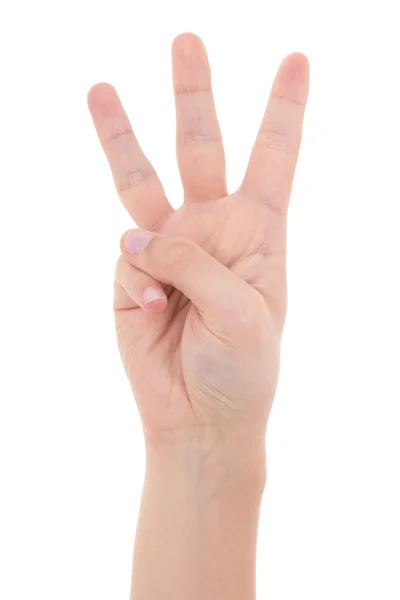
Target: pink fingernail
(136,240)
(155,298)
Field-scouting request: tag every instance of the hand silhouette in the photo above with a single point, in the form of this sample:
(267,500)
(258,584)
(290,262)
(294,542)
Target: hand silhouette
(200,292)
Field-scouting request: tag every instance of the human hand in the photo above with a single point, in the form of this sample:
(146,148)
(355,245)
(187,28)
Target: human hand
(200,310)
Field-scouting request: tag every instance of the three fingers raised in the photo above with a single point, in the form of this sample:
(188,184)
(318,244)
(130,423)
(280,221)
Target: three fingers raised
(200,153)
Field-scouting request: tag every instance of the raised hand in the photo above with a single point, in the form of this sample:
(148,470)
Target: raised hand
(200,292)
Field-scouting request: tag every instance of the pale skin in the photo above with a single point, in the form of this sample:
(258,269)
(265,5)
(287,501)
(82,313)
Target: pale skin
(200,305)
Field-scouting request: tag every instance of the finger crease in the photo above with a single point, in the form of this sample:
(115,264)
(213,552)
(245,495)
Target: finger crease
(192,90)
(134,178)
(199,137)
(289,100)
(118,134)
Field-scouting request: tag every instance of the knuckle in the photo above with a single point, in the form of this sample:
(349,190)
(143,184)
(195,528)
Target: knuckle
(197,137)
(252,312)
(118,135)
(132,179)
(273,139)
(179,255)
(191,90)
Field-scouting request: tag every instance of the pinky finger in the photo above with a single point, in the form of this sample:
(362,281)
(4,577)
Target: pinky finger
(133,289)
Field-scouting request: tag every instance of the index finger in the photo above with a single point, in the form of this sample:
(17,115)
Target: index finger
(272,164)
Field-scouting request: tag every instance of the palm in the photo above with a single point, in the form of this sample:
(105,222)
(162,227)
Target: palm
(245,231)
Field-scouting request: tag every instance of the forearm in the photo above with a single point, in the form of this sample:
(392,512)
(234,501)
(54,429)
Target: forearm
(197,530)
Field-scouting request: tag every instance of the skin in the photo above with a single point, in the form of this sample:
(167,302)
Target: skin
(200,304)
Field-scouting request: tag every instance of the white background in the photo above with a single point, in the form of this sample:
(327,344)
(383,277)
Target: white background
(71,453)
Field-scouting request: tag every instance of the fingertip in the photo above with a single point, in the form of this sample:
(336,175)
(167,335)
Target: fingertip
(99,92)
(122,244)
(187,43)
(299,57)
(157,305)
(295,67)
(154,299)
(292,80)
(190,66)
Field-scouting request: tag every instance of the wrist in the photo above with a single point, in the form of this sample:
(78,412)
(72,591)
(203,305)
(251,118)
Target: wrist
(199,514)
(208,457)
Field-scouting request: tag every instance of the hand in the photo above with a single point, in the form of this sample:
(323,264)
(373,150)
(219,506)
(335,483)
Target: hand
(200,292)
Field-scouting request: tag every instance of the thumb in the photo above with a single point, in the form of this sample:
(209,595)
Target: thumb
(221,297)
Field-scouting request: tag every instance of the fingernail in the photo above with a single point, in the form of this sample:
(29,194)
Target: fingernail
(155,298)
(150,294)
(136,240)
